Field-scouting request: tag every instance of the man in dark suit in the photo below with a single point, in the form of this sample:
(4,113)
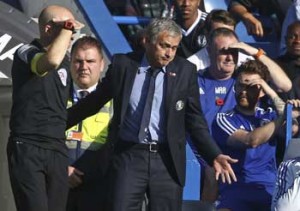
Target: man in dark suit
(150,157)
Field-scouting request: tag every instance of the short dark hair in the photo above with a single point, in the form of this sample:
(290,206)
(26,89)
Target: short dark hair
(219,16)
(291,26)
(254,67)
(87,42)
(225,32)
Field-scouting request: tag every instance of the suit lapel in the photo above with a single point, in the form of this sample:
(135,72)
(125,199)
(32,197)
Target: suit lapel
(171,79)
(130,72)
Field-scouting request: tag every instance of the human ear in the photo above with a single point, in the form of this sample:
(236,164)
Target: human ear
(48,29)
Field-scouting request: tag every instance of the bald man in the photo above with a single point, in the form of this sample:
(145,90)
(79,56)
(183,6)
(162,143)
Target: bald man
(36,151)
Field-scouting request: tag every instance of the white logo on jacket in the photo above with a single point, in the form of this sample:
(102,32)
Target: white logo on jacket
(62,73)
(179,105)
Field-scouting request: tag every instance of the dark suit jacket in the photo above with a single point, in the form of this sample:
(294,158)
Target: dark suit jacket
(182,87)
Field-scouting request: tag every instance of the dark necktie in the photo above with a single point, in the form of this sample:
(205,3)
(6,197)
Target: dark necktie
(148,105)
(83,94)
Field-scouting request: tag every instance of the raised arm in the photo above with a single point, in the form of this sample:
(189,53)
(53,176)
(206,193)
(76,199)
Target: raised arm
(277,101)
(262,134)
(57,48)
(278,76)
(240,12)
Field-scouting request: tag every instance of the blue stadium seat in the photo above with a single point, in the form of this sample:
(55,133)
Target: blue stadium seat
(270,42)
(193,173)
(292,144)
(215,4)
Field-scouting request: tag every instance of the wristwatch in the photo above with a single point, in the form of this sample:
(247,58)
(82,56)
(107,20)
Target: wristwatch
(69,25)
(259,53)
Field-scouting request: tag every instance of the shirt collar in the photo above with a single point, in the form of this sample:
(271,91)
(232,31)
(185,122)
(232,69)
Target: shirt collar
(90,89)
(187,32)
(144,67)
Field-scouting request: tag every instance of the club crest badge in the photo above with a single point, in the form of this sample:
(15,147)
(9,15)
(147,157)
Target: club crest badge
(179,105)
(201,41)
(62,73)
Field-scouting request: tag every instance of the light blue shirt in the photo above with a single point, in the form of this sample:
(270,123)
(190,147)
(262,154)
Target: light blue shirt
(132,121)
